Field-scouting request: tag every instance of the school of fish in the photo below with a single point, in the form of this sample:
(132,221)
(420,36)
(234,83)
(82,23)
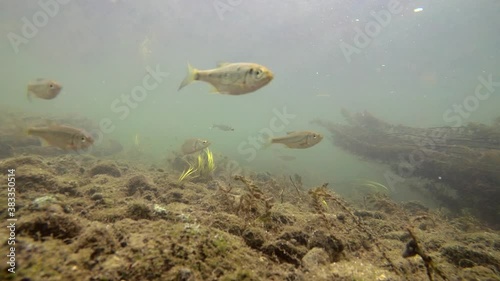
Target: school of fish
(227,78)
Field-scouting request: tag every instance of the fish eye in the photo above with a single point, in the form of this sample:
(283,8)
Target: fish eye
(83,139)
(205,141)
(51,85)
(258,73)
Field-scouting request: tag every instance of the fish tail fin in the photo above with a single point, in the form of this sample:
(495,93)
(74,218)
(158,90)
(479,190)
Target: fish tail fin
(267,142)
(190,77)
(21,132)
(266,145)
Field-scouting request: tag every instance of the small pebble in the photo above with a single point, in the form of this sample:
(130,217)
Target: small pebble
(97,196)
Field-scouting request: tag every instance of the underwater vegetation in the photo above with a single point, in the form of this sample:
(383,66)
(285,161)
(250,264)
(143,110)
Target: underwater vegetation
(202,169)
(371,185)
(465,159)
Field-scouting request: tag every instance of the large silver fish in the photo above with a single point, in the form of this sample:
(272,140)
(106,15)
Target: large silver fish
(231,78)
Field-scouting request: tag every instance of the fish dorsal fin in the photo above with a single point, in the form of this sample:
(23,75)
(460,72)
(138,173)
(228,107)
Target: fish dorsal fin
(289,133)
(50,123)
(222,63)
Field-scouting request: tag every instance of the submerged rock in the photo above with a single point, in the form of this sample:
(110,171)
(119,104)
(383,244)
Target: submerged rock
(330,244)
(285,251)
(23,160)
(59,226)
(315,257)
(6,151)
(253,237)
(41,203)
(463,256)
(109,169)
(99,239)
(97,196)
(138,183)
(36,179)
(139,210)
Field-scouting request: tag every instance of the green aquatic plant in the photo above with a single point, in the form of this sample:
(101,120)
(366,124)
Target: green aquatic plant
(378,187)
(210,160)
(206,164)
(201,164)
(203,168)
(187,172)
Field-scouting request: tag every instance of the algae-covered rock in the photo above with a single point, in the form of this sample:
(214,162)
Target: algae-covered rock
(329,243)
(6,151)
(59,226)
(139,183)
(254,237)
(139,210)
(109,169)
(315,257)
(463,256)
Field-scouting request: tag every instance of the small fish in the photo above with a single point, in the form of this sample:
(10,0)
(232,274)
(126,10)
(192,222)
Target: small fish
(303,139)
(194,145)
(323,95)
(286,157)
(63,137)
(231,78)
(222,127)
(43,89)
(137,141)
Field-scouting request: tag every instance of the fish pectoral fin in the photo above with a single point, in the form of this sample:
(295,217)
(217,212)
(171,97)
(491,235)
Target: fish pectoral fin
(44,142)
(214,90)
